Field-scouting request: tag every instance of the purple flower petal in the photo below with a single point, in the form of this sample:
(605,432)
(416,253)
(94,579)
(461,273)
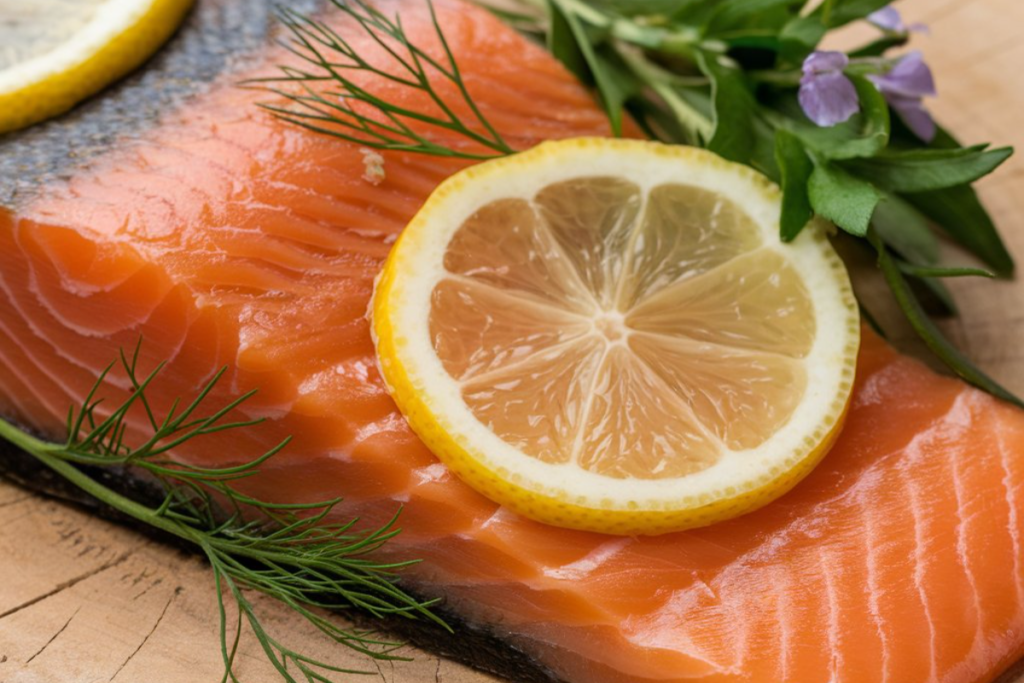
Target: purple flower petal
(824,61)
(826,94)
(913,113)
(888,19)
(829,98)
(910,77)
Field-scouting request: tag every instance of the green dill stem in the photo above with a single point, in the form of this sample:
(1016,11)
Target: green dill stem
(54,457)
(46,453)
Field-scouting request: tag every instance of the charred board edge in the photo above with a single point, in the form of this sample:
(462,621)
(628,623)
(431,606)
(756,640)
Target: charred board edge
(475,647)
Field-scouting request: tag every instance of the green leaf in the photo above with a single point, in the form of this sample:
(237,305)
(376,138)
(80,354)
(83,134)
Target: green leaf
(733,102)
(835,13)
(757,39)
(958,211)
(763,155)
(842,198)
(799,38)
(864,135)
(562,44)
(612,76)
(796,168)
(905,229)
(929,169)
(674,9)
(732,13)
(943,271)
(928,331)
(657,121)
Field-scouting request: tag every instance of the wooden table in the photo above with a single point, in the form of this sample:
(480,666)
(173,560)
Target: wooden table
(85,600)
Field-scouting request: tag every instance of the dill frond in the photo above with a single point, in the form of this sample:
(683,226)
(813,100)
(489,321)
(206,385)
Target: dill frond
(292,553)
(329,92)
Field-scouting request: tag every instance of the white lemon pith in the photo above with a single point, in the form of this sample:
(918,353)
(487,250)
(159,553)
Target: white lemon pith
(55,53)
(608,335)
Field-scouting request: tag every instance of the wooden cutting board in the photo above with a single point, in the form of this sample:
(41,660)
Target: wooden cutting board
(85,600)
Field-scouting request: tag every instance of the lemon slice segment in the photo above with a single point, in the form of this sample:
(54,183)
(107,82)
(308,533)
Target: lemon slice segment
(608,335)
(56,53)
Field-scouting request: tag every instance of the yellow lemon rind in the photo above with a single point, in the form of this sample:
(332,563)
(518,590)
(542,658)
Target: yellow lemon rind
(44,99)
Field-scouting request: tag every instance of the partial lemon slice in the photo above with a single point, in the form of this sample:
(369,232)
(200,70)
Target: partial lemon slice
(55,53)
(608,335)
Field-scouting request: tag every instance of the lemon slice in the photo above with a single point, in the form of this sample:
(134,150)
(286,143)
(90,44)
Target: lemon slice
(608,335)
(55,53)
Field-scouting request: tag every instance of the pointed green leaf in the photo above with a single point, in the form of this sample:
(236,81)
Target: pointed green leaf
(943,271)
(762,157)
(929,333)
(906,230)
(796,168)
(733,102)
(614,81)
(923,170)
(842,198)
(674,9)
(958,211)
(837,13)
(562,44)
(732,13)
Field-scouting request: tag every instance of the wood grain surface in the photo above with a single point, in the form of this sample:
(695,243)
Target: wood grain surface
(83,600)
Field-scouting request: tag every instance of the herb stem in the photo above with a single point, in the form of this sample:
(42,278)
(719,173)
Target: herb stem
(688,116)
(45,453)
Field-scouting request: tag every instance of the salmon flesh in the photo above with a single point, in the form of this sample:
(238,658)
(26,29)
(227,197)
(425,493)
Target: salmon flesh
(224,237)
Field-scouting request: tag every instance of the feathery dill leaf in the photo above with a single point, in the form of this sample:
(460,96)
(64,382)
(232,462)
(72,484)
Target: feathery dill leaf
(329,91)
(293,553)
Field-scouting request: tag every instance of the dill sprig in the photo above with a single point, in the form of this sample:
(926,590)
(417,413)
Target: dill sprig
(357,112)
(293,553)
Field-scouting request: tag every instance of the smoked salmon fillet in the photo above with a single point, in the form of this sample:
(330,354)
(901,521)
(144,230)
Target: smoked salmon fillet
(223,237)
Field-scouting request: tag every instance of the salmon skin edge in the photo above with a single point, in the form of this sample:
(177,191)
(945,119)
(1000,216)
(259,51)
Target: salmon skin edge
(472,646)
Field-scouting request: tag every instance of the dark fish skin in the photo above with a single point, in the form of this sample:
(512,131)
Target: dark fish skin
(217,38)
(478,648)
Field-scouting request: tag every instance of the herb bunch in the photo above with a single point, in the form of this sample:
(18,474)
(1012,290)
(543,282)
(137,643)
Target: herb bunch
(293,553)
(845,135)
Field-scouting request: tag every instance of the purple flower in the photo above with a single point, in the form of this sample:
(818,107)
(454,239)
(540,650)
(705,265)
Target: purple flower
(826,94)
(888,19)
(904,86)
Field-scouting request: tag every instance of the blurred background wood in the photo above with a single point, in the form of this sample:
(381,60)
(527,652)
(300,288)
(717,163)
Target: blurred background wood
(85,600)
